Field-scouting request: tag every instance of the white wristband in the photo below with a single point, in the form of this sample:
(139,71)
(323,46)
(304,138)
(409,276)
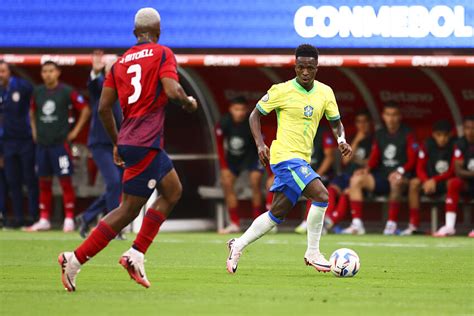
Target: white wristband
(341,140)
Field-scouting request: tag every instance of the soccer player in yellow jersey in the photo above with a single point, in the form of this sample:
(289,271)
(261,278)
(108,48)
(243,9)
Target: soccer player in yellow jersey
(299,104)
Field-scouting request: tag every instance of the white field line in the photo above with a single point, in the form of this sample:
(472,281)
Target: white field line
(270,241)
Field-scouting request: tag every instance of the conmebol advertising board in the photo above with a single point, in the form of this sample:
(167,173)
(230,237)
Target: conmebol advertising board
(243,23)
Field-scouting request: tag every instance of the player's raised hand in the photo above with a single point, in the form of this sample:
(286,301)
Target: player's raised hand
(346,150)
(117,159)
(192,106)
(264,155)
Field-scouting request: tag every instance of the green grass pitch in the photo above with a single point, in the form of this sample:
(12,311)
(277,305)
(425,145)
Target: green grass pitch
(398,276)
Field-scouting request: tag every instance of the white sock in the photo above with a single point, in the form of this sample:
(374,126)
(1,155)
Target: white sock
(450,219)
(260,226)
(315,225)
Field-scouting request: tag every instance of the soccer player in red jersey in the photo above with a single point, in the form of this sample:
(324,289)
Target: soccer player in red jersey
(463,182)
(143,80)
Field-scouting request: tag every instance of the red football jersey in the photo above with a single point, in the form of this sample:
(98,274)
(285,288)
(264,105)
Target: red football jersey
(136,78)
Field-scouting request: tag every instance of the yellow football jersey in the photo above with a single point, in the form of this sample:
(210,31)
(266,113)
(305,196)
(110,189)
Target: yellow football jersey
(298,113)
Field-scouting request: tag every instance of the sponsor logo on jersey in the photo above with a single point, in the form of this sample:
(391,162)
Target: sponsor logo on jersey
(48,109)
(442,166)
(236,145)
(266,97)
(389,153)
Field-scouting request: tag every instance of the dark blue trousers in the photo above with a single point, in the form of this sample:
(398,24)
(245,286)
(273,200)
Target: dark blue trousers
(19,158)
(112,175)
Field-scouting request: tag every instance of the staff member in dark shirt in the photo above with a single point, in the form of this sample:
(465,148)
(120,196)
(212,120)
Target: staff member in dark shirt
(433,169)
(391,161)
(19,149)
(237,153)
(101,147)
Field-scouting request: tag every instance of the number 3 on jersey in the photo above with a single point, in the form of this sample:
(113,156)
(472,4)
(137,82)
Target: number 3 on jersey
(137,70)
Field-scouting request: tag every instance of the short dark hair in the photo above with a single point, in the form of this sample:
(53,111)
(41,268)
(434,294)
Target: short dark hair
(363,112)
(469,118)
(50,62)
(442,126)
(238,100)
(307,50)
(391,105)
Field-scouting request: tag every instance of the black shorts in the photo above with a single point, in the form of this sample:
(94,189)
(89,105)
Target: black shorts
(254,165)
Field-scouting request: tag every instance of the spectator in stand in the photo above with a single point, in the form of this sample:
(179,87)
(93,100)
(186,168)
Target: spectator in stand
(19,149)
(237,152)
(322,160)
(49,115)
(433,170)
(338,188)
(391,161)
(463,182)
(100,145)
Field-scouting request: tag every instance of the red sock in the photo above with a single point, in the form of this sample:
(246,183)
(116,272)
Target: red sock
(415,217)
(356,209)
(46,195)
(234,215)
(341,209)
(332,202)
(455,186)
(393,210)
(308,206)
(97,240)
(150,227)
(69,198)
(269,200)
(257,211)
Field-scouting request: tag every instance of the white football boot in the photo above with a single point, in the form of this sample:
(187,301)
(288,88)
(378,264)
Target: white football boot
(70,267)
(302,228)
(68,225)
(410,230)
(390,228)
(445,231)
(317,261)
(41,225)
(233,258)
(232,228)
(356,228)
(133,261)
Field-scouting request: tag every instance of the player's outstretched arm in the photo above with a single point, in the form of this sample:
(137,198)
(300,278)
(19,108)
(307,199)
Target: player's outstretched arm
(263,151)
(176,94)
(340,134)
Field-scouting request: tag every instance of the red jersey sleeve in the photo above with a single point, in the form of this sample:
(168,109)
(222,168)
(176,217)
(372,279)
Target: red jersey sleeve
(374,157)
(110,79)
(168,67)
(421,165)
(328,141)
(412,150)
(77,100)
(220,146)
(33,103)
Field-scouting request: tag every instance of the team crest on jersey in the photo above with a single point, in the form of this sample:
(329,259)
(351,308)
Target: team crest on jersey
(308,111)
(16,96)
(390,152)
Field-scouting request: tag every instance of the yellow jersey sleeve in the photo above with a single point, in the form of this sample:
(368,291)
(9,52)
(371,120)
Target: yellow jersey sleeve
(270,101)
(331,110)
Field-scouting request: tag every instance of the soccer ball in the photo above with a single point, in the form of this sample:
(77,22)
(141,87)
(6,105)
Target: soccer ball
(344,262)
